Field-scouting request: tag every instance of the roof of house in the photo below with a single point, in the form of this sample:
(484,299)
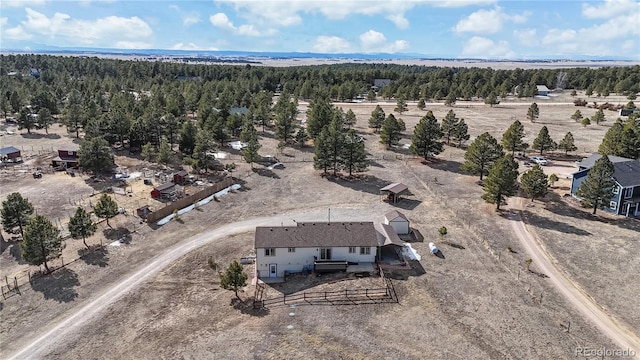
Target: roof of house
(588,163)
(627,173)
(181,173)
(9,150)
(165,186)
(381,82)
(318,234)
(395,188)
(388,235)
(542,88)
(239,110)
(394,214)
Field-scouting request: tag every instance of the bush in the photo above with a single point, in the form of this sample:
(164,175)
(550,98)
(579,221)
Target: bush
(580,102)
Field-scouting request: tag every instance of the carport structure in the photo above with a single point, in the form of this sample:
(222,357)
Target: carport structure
(393,192)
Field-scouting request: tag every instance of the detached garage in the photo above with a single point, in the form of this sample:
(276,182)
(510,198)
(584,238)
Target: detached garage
(398,221)
(164,190)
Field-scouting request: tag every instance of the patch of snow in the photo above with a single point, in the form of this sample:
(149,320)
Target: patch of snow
(218,155)
(135,175)
(237,145)
(406,146)
(542,97)
(115,243)
(410,252)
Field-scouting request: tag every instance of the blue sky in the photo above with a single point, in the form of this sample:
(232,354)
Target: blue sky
(438,28)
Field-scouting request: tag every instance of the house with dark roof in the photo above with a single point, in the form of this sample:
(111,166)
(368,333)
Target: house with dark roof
(282,250)
(380,83)
(67,158)
(626,198)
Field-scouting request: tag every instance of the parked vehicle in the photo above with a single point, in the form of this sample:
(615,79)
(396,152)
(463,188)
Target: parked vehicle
(539,160)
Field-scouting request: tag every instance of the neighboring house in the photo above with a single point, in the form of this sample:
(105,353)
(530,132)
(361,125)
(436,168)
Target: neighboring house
(398,221)
(239,110)
(67,158)
(35,72)
(10,154)
(380,83)
(626,198)
(627,112)
(290,249)
(163,190)
(542,90)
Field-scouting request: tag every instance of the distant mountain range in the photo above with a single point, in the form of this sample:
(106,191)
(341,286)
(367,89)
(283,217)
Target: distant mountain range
(35,48)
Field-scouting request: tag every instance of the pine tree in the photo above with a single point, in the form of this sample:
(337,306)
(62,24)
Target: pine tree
(501,182)
(187,137)
(543,141)
(598,117)
(16,212)
(401,105)
(234,278)
(26,120)
(321,158)
(286,112)
(449,124)
(42,242)
(81,226)
(106,208)
(335,145)
(164,152)
(577,116)
(597,189)
(148,152)
(95,154)
(250,152)
(535,182)
(451,98)
(612,139)
(567,144)
(629,146)
(512,138)
(461,132)
(302,137)
(377,118)
(371,96)
(319,115)
(585,122)
(45,119)
(350,118)
(533,113)
(491,99)
(421,104)
(390,133)
(354,156)
(426,137)
(482,154)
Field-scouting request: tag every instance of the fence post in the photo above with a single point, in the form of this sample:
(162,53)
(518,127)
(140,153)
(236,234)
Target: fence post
(346,293)
(15,285)
(284,299)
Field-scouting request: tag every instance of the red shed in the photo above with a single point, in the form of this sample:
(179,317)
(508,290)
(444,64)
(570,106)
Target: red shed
(180,177)
(163,190)
(10,154)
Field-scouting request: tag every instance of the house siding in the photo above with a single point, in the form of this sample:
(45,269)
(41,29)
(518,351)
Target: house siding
(303,258)
(401,226)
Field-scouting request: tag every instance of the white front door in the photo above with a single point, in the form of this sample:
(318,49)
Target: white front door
(273,270)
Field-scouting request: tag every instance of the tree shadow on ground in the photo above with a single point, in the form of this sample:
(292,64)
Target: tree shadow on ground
(242,183)
(561,207)
(7,243)
(119,233)
(447,165)
(40,136)
(359,182)
(16,252)
(58,285)
(265,172)
(95,255)
(439,254)
(453,245)
(302,281)
(416,269)
(246,307)
(414,235)
(375,164)
(540,221)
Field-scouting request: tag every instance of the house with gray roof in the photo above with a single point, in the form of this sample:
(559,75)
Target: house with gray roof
(282,250)
(626,198)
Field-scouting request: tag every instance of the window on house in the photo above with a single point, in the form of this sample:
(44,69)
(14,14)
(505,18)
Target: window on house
(352,249)
(365,251)
(613,205)
(270,252)
(628,192)
(325,254)
(616,189)
(292,250)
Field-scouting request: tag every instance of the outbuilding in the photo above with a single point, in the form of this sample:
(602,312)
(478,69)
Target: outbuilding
(180,177)
(163,190)
(10,154)
(398,221)
(393,192)
(542,90)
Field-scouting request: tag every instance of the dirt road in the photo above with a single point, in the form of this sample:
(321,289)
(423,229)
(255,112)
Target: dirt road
(581,301)
(57,334)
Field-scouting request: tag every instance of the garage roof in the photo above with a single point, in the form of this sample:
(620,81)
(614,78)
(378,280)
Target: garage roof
(395,188)
(318,234)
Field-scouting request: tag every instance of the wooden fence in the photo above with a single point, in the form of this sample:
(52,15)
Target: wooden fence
(189,200)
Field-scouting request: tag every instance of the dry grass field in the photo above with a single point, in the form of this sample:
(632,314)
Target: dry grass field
(478,301)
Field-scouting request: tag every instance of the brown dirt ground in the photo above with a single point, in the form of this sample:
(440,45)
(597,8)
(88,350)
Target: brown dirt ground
(477,302)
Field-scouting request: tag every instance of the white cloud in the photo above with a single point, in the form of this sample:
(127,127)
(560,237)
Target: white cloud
(221,21)
(191,18)
(21,3)
(63,30)
(527,37)
(190,46)
(610,8)
(4,21)
(331,44)
(483,48)
(488,21)
(288,12)
(132,45)
(373,41)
